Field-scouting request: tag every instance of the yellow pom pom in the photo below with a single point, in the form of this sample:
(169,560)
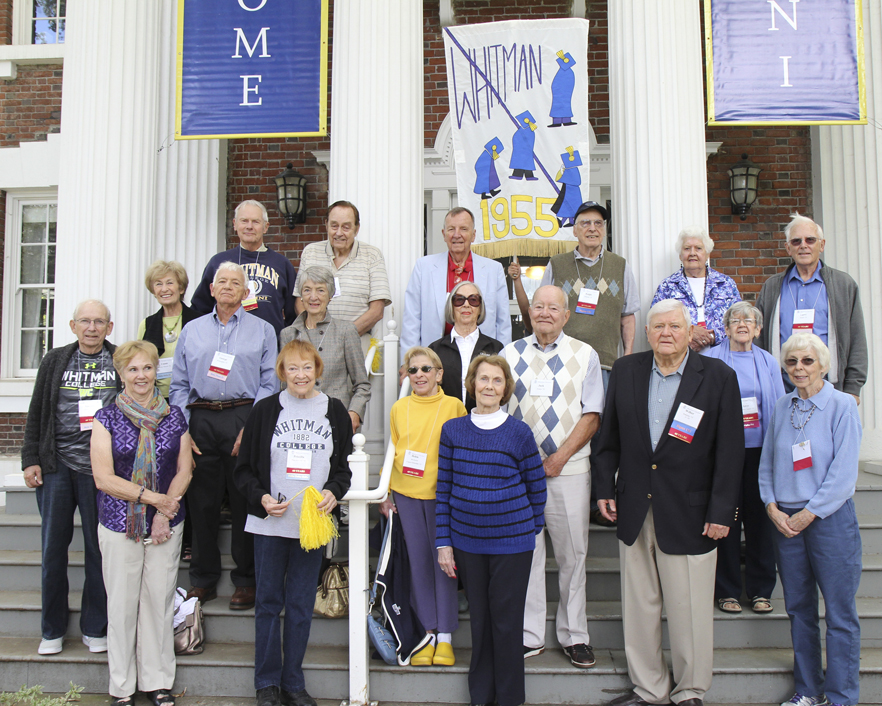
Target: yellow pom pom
(375,366)
(316,528)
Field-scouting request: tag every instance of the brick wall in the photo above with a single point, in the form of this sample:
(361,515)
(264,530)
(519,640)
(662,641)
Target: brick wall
(5,21)
(598,69)
(11,433)
(30,105)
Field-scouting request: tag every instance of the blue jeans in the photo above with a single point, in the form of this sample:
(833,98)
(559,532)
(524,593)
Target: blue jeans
(826,554)
(60,495)
(287,577)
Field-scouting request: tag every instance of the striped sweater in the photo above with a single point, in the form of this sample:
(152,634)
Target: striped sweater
(491,488)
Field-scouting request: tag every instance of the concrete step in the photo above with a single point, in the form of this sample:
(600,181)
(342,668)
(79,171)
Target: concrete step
(188,700)
(21,501)
(226,670)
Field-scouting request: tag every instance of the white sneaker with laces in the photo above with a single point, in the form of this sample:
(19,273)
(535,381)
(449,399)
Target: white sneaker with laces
(50,647)
(95,644)
(799,700)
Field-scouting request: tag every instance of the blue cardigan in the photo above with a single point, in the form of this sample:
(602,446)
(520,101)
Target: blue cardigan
(491,488)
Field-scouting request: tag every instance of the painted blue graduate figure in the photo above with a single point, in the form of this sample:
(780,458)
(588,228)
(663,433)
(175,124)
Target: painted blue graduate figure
(562,91)
(486,179)
(523,163)
(570,197)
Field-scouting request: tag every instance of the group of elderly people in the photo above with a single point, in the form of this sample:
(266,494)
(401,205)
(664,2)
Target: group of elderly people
(491,450)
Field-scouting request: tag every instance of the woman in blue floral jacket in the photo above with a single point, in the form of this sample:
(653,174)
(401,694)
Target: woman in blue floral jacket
(706,293)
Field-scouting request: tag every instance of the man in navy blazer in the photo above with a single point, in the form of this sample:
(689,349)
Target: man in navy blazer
(435,275)
(673,429)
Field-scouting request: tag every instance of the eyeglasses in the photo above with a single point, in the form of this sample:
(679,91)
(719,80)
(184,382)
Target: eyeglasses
(99,323)
(738,322)
(796,242)
(426,369)
(585,224)
(806,362)
(459,300)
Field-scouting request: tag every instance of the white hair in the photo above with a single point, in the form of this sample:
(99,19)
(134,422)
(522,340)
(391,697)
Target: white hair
(797,220)
(698,233)
(743,309)
(252,202)
(83,303)
(804,341)
(666,306)
(229,266)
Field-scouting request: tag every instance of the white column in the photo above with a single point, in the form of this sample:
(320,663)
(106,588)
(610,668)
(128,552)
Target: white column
(659,175)
(128,193)
(847,186)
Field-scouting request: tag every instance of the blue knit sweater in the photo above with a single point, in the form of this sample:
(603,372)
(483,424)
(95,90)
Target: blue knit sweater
(491,488)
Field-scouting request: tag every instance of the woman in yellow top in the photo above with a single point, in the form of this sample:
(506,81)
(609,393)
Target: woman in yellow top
(415,424)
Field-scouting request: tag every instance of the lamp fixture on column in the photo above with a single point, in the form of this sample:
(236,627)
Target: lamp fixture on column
(291,195)
(743,177)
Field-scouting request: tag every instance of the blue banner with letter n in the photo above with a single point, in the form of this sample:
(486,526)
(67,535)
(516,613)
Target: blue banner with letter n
(793,62)
(251,68)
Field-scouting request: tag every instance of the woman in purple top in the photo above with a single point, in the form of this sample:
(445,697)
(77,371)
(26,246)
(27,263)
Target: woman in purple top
(759,378)
(142,463)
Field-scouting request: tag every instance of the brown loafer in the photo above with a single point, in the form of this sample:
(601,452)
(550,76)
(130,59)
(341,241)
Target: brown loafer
(243,598)
(202,594)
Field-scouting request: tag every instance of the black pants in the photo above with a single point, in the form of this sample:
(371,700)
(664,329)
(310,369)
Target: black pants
(214,434)
(496,586)
(759,539)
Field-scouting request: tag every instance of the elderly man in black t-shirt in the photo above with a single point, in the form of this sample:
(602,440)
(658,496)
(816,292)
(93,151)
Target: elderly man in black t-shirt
(73,383)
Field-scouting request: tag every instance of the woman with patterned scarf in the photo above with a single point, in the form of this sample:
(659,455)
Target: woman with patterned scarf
(142,463)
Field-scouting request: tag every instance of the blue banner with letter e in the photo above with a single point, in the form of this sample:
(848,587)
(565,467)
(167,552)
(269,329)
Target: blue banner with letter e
(791,62)
(251,68)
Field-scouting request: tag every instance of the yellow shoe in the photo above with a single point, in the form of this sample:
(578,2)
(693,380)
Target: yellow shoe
(444,655)
(423,658)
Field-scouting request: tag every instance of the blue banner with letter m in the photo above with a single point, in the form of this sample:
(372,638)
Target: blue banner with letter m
(794,62)
(251,68)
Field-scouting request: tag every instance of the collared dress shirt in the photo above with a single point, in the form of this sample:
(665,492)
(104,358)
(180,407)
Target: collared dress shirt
(466,346)
(662,393)
(796,294)
(252,375)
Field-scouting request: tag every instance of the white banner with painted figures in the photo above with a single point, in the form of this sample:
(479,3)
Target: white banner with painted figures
(519,106)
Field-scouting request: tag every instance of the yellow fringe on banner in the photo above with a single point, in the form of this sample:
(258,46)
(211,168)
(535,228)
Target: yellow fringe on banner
(316,528)
(375,366)
(523,247)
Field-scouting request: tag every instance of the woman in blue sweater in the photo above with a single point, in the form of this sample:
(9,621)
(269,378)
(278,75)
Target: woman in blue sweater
(807,476)
(490,506)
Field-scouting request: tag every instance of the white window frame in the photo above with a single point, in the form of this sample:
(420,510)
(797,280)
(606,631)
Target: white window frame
(22,16)
(11,342)
(21,52)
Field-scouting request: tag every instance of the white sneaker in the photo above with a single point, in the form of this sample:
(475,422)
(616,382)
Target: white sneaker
(799,700)
(95,644)
(50,647)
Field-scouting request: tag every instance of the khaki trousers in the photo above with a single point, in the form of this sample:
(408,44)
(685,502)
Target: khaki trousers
(685,583)
(567,512)
(140,581)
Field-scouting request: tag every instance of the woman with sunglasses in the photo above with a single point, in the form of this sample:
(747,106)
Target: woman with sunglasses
(464,311)
(292,440)
(807,476)
(415,426)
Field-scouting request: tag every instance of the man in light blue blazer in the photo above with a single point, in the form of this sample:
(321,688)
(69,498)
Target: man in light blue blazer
(435,275)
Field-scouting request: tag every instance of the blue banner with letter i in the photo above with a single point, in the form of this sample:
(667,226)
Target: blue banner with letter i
(251,68)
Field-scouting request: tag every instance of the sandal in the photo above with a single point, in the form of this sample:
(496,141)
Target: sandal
(123,700)
(161,697)
(761,605)
(729,605)
(187,553)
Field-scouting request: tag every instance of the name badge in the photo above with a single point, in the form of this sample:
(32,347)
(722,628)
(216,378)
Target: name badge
(686,421)
(250,302)
(802,455)
(164,369)
(220,366)
(86,410)
(414,463)
(587,302)
(542,388)
(299,464)
(803,320)
(750,411)
(337,291)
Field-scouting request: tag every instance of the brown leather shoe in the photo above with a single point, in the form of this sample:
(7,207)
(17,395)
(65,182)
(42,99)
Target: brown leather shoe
(203,594)
(243,598)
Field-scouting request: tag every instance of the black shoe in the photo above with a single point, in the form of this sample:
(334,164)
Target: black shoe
(299,698)
(629,699)
(268,696)
(581,655)
(533,651)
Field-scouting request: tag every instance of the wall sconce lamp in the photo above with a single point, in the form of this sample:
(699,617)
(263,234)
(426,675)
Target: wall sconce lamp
(291,196)
(743,178)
